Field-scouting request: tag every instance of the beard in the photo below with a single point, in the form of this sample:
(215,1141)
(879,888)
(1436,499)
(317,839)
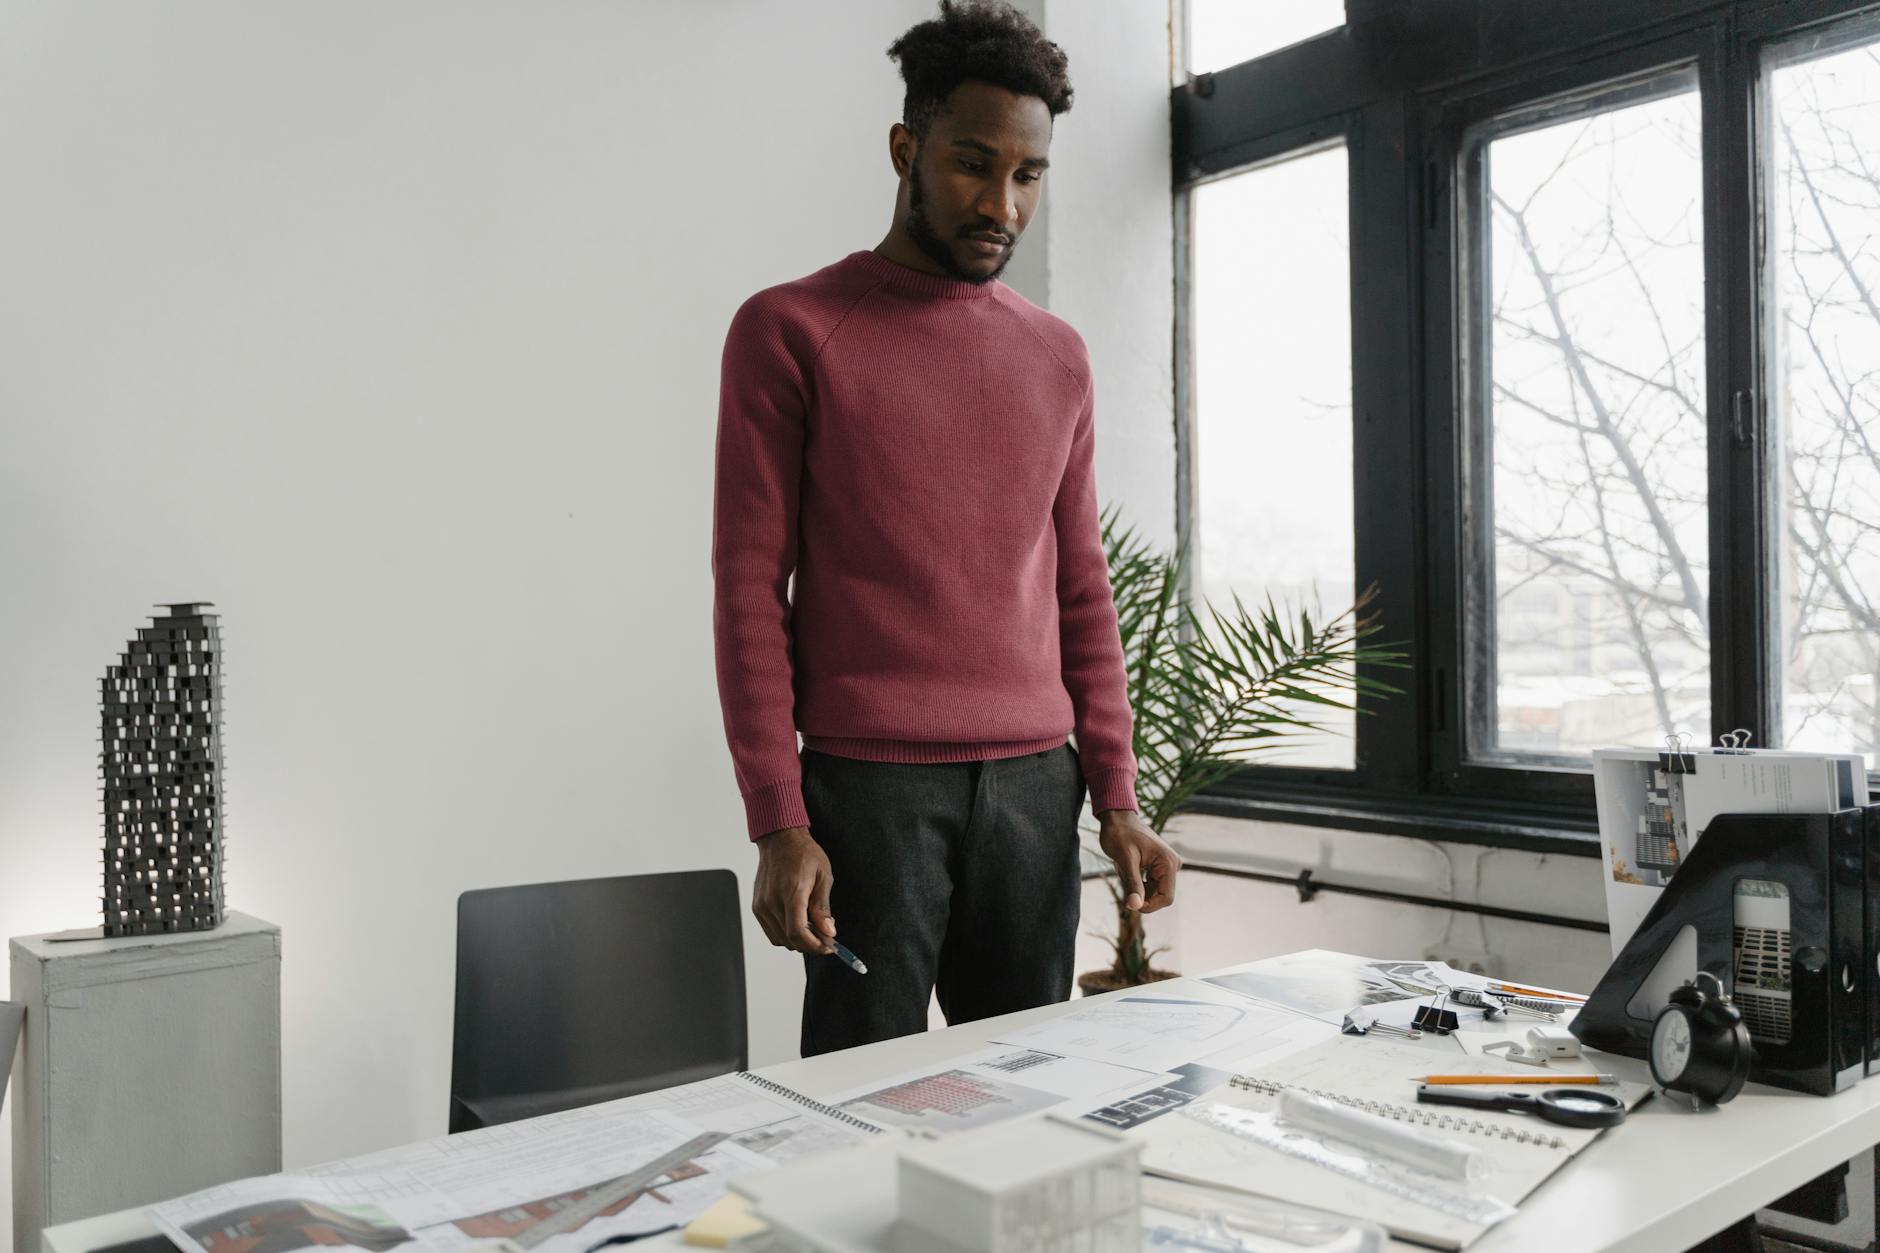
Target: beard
(928,240)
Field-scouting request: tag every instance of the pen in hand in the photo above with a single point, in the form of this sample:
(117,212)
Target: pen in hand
(847,958)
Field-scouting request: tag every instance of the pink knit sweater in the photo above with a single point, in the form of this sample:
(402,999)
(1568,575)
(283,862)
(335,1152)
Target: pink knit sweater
(918,450)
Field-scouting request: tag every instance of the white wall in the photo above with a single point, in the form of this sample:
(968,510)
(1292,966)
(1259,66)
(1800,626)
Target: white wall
(1222,920)
(1111,255)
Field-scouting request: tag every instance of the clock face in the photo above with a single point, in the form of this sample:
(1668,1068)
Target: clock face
(1671,1045)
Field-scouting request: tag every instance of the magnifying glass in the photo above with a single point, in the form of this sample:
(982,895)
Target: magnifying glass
(1570,1107)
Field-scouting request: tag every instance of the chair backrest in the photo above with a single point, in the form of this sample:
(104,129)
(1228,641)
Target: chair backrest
(593,989)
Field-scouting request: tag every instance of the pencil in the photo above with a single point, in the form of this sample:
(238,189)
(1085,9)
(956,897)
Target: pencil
(1599,1078)
(1527,991)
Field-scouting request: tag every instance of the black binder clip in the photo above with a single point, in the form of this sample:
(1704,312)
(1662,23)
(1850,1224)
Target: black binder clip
(1438,1018)
(1679,759)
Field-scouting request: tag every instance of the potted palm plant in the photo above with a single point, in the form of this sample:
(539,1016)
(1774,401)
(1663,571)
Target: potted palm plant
(1209,685)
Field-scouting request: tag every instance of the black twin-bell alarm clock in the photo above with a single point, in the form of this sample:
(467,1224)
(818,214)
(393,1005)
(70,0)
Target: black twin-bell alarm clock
(1700,1045)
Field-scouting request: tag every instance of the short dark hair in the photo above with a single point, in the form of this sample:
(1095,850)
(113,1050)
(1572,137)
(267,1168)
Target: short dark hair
(986,40)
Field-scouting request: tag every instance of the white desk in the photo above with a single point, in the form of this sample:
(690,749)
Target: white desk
(1661,1182)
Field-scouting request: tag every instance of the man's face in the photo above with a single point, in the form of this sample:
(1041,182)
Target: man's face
(979,173)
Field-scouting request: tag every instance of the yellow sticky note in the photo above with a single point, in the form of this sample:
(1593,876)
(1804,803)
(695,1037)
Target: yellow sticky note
(724,1222)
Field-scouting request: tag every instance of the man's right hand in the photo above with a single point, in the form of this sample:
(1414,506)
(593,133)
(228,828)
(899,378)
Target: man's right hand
(791,896)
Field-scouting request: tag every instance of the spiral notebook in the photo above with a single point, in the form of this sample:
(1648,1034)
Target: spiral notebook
(1375,1076)
(811,1104)
(1434,1117)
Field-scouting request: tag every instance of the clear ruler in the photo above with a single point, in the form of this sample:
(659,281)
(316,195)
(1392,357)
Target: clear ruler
(616,1191)
(1407,1182)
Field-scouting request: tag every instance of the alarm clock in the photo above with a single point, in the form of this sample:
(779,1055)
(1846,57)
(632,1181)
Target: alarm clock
(1700,1044)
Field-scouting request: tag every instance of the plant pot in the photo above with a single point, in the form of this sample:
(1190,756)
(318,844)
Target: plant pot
(1092,982)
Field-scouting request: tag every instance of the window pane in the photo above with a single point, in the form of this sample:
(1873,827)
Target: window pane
(1226,32)
(1824,222)
(1272,450)
(1587,622)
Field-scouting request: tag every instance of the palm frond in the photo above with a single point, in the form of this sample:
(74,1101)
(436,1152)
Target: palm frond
(1210,684)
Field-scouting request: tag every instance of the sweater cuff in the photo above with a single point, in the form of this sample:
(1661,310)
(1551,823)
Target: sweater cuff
(1113,788)
(775,806)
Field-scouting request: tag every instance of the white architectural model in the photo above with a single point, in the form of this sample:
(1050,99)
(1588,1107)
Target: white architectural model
(1032,1185)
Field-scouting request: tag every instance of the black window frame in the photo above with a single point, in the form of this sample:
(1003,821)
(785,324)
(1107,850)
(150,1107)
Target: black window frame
(1404,83)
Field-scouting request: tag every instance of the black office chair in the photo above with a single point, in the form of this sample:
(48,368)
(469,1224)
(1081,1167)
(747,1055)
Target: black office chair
(594,989)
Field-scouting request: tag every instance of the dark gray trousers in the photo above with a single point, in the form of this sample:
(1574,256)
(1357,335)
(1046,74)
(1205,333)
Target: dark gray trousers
(956,878)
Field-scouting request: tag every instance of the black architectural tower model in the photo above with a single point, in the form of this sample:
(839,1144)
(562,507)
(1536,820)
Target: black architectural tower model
(162,766)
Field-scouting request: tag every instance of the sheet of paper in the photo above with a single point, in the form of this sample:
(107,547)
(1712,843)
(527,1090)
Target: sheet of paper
(1155,1033)
(1476,1061)
(1071,1078)
(1183,1149)
(1380,1077)
(948,1100)
(682,1194)
(521,1164)
(481,1183)
(1188,1083)
(1650,819)
(1387,1074)
(1753,783)
(1289,1036)
(990,1084)
(1296,1032)
(764,1122)
(502,1181)
(1327,986)
(294,1211)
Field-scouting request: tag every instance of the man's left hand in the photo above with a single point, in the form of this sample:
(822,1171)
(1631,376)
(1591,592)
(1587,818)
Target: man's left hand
(1141,856)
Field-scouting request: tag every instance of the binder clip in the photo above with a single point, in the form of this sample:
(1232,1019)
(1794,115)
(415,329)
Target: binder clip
(1678,759)
(1438,1018)
(1356,1025)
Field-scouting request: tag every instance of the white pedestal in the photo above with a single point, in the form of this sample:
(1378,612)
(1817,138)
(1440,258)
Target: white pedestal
(150,1066)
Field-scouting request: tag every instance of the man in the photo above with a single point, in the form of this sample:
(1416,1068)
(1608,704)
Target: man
(914,442)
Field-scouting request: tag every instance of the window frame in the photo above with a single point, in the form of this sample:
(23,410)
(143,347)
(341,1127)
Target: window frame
(1461,467)
(1636,76)
(1405,89)
(1775,50)
(1305,139)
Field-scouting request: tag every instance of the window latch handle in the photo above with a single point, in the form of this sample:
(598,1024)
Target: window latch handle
(1742,405)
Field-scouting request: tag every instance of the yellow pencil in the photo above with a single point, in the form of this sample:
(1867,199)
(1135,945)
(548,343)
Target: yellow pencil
(1520,990)
(1599,1078)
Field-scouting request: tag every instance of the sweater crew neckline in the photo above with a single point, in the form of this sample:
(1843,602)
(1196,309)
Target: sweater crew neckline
(907,278)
